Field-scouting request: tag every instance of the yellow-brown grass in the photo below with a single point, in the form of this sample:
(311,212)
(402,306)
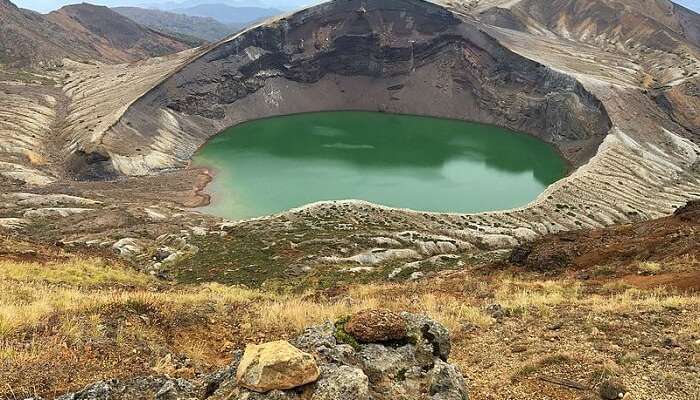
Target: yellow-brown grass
(86,318)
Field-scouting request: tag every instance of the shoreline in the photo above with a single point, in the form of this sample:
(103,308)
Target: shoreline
(205,175)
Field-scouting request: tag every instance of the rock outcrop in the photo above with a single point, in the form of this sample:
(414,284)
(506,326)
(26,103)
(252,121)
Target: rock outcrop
(413,366)
(650,241)
(146,119)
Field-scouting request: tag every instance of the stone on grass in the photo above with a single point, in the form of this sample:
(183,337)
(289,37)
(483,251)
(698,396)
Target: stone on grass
(612,389)
(275,365)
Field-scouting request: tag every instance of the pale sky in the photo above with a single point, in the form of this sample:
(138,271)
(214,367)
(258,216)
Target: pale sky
(48,5)
(692,4)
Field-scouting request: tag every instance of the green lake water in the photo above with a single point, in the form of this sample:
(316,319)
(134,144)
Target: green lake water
(271,165)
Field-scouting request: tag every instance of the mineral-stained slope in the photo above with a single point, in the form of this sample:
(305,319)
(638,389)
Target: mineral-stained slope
(28,38)
(113,36)
(25,120)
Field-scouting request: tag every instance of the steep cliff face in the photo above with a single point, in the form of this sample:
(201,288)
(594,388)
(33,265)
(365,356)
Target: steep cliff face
(405,56)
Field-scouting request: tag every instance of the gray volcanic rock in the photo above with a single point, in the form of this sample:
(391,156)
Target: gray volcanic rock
(160,388)
(422,327)
(376,370)
(342,383)
(372,371)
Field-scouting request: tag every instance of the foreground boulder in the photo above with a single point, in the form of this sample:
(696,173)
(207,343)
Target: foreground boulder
(325,362)
(275,365)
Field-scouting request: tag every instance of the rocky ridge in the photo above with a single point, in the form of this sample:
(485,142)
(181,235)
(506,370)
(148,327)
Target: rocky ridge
(79,32)
(203,29)
(334,367)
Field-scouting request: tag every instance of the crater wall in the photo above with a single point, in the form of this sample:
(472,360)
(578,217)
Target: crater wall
(400,56)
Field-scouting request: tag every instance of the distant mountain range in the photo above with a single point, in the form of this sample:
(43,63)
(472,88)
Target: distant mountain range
(198,23)
(167,5)
(186,27)
(80,31)
(229,14)
(269,4)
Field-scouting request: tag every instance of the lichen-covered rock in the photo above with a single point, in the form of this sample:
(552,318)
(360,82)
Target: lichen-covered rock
(158,388)
(318,366)
(321,341)
(381,362)
(422,328)
(275,365)
(447,383)
(342,383)
(375,326)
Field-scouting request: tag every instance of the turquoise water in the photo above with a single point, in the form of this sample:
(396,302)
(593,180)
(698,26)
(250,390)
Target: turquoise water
(271,165)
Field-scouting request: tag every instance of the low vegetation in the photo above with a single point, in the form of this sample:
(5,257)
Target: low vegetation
(91,318)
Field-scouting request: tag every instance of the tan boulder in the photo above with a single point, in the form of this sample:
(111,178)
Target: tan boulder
(275,365)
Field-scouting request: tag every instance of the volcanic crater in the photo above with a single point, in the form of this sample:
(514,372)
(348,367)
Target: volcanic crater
(126,134)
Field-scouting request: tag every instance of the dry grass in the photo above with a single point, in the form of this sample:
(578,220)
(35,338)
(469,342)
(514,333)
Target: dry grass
(30,292)
(90,272)
(520,297)
(649,268)
(88,319)
(533,365)
(633,299)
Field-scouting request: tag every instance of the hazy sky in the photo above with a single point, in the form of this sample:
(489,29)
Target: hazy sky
(692,4)
(48,5)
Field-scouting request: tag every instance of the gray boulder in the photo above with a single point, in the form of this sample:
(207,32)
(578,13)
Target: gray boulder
(425,330)
(342,383)
(447,383)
